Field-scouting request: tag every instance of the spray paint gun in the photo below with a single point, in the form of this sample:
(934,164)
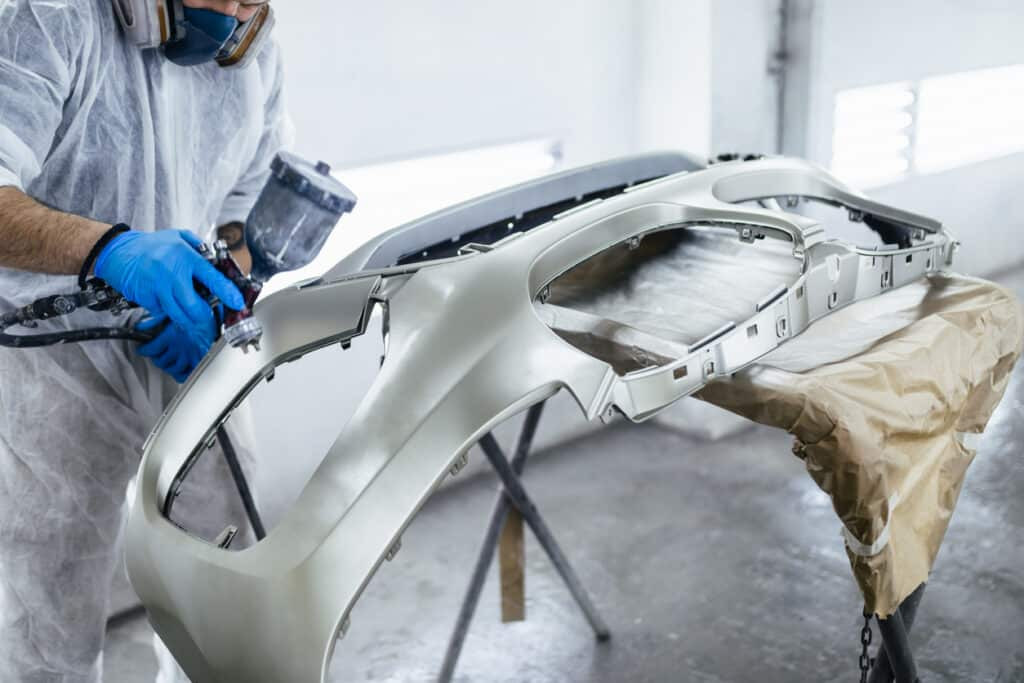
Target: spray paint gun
(292,219)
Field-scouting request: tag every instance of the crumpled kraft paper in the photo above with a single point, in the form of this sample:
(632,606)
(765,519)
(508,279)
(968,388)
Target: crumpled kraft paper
(882,398)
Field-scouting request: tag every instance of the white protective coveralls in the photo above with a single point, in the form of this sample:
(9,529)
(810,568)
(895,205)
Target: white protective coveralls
(94,126)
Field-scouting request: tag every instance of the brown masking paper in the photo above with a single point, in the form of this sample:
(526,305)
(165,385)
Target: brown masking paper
(881,398)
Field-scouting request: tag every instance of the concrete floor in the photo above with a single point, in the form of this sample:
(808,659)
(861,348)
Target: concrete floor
(710,561)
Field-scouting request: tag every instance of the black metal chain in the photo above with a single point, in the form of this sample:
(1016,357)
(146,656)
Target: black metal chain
(866,662)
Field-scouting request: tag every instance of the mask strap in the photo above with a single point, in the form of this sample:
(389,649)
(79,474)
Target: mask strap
(176,14)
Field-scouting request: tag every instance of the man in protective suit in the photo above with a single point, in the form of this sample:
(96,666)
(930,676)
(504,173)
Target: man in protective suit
(122,136)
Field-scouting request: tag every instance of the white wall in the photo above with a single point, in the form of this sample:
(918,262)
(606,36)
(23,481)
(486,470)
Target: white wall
(873,41)
(839,44)
(368,82)
(671,76)
(743,95)
(383,80)
(865,42)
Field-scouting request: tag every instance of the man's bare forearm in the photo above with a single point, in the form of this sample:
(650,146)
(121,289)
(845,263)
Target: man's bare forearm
(40,239)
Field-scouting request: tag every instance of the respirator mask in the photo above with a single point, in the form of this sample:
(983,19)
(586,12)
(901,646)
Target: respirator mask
(191,36)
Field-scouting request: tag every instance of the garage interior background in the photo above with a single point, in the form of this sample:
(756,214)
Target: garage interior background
(448,101)
(420,105)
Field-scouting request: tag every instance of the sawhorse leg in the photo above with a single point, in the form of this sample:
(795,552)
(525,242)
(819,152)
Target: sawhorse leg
(244,492)
(514,495)
(895,661)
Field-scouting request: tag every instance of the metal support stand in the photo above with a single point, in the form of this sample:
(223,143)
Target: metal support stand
(133,612)
(895,661)
(231,456)
(514,495)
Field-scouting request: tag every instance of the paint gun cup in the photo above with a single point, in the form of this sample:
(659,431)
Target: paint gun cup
(294,215)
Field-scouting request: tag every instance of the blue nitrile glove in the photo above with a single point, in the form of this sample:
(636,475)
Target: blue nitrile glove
(174,350)
(156,270)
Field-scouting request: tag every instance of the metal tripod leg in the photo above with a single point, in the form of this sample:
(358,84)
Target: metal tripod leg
(898,666)
(231,456)
(521,500)
(483,560)
(498,515)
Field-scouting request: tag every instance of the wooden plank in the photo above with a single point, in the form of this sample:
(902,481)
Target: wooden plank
(512,569)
